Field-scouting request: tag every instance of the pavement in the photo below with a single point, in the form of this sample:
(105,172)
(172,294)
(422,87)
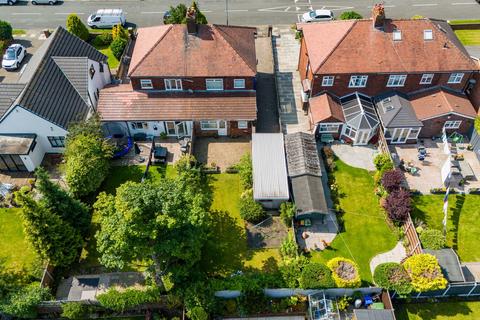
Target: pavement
(397,254)
(246,12)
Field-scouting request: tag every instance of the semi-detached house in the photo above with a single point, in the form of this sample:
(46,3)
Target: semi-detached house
(187,80)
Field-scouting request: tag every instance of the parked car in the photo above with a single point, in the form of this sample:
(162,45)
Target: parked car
(13,57)
(317,15)
(50,2)
(106,18)
(9,2)
(167,16)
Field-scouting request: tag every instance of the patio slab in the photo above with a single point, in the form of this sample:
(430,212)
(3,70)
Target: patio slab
(318,233)
(222,151)
(356,156)
(397,254)
(173,152)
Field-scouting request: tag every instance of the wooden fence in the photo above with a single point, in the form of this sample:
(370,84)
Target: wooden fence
(47,277)
(414,246)
(382,143)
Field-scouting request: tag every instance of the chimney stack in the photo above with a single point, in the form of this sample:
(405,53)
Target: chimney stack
(192,20)
(378,16)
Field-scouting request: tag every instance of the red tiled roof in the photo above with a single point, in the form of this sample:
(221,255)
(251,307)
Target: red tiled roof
(121,103)
(441,102)
(214,51)
(324,107)
(355,46)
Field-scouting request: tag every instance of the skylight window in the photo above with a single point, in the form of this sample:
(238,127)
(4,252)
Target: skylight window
(427,34)
(397,35)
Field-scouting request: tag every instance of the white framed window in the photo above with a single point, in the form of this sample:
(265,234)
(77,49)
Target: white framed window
(396,80)
(214,84)
(327,81)
(413,134)
(397,35)
(242,124)
(427,78)
(358,81)
(146,84)
(455,78)
(239,83)
(329,127)
(427,34)
(209,125)
(173,84)
(455,124)
(350,132)
(57,142)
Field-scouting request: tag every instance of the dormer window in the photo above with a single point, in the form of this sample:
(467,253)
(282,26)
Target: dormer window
(397,35)
(427,35)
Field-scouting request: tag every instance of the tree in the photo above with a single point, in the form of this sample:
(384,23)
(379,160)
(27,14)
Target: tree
(251,210)
(5,31)
(287,213)
(118,31)
(178,14)
(316,276)
(23,303)
(392,180)
(76,27)
(53,239)
(197,313)
(349,15)
(245,170)
(119,301)
(425,272)
(392,276)
(75,310)
(59,202)
(87,156)
(398,205)
(168,222)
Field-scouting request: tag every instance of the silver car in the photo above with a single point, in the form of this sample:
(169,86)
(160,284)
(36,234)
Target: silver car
(13,57)
(317,15)
(50,2)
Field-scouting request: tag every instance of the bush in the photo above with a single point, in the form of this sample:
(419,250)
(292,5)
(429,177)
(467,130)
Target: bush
(118,46)
(382,162)
(75,310)
(392,276)
(102,40)
(5,31)
(118,31)
(344,272)
(392,180)
(432,239)
(398,206)
(75,26)
(197,313)
(287,212)
(349,15)
(316,276)
(251,210)
(289,247)
(425,273)
(119,301)
(245,169)
(23,303)
(291,270)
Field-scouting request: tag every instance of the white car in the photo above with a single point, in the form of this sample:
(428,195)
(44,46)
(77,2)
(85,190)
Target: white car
(50,2)
(13,57)
(317,15)
(106,18)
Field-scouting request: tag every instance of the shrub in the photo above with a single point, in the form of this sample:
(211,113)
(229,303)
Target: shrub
(477,124)
(251,210)
(398,206)
(245,169)
(75,310)
(102,40)
(289,247)
(118,31)
(23,303)
(316,276)
(349,15)
(392,276)
(75,26)
(344,272)
(432,239)
(287,212)
(382,162)
(119,301)
(425,272)
(392,180)
(117,46)
(5,30)
(197,313)
(291,269)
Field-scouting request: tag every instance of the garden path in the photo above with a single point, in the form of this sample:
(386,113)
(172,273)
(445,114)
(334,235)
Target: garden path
(397,254)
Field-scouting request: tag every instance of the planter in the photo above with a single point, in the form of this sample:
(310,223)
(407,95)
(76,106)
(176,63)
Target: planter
(211,170)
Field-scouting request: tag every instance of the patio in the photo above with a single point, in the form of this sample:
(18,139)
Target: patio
(429,170)
(223,151)
(318,235)
(356,156)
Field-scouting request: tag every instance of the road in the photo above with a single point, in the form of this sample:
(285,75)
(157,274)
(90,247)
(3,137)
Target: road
(241,12)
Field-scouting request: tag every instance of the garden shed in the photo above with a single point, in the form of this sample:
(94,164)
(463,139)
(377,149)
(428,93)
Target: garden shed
(270,182)
(361,121)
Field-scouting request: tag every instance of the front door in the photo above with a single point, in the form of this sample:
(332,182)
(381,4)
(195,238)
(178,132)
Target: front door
(400,135)
(222,128)
(362,137)
(181,130)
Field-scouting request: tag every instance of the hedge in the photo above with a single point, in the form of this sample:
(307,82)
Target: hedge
(345,272)
(119,301)
(392,276)
(316,276)
(425,272)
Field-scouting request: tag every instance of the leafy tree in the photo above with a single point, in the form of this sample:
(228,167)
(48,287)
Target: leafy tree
(316,276)
(289,247)
(168,222)
(398,206)
(118,31)
(287,213)
(392,276)
(345,272)
(392,180)
(245,170)
(349,15)
(197,313)
(251,210)
(432,239)
(75,26)
(75,310)
(5,30)
(119,301)
(59,202)
(425,272)
(23,304)
(190,174)
(178,14)
(291,269)
(53,239)
(87,156)
(118,46)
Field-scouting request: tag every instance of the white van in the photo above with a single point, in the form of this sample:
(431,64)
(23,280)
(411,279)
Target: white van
(106,18)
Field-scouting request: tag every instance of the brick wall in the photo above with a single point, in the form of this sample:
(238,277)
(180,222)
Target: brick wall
(194,83)
(232,130)
(433,127)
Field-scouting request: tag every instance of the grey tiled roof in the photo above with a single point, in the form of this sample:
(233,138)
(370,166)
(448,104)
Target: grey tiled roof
(358,111)
(374,314)
(302,154)
(9,92)
(76,71)
(396,111)
(309,195)
(52,91)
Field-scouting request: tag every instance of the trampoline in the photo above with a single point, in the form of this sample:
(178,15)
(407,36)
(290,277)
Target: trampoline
(118,136)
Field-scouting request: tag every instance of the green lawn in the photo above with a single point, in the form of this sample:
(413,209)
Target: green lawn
(466,21)
(14,249)
(113,62)
(463,225)
(469,37)
(366,231)
(439,311)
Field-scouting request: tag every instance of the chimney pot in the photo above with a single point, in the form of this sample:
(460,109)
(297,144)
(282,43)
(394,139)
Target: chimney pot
(192,20)
(378,16)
